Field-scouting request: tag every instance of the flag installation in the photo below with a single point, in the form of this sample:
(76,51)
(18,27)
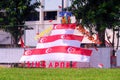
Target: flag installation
(21,42)
(43,32)
(58,53)
(60,45)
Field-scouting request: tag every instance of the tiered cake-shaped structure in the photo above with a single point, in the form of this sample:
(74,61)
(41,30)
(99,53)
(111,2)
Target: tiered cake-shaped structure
(60,45)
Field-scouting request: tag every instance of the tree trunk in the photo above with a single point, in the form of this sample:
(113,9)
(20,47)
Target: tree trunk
(101,35)
(15,42)
(15,35)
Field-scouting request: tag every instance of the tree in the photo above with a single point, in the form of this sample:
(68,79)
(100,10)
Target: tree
(101,14)
(16,13)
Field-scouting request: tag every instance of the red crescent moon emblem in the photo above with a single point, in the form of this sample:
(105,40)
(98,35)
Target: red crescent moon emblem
(42,40)
(71,50)
(48,50)
(29,52)
(55,27)
(63,36)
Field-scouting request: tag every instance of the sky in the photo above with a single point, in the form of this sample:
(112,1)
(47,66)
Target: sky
(52,4)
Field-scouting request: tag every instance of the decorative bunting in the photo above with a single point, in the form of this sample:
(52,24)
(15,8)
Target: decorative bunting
(43,32)
(87,34)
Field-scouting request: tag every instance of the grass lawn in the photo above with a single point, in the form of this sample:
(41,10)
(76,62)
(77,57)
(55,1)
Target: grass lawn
(59,74)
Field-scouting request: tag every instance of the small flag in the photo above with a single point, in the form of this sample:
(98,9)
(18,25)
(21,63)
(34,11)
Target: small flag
(21,42)
(100,65)
(59,6)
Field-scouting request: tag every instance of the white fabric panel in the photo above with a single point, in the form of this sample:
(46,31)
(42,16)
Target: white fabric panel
(118,57)
(83,64)
(60,42)
(56,57)
(62,31)
(10,55)
(102,56)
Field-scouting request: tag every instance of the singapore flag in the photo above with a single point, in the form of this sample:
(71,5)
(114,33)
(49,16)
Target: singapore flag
(60,45)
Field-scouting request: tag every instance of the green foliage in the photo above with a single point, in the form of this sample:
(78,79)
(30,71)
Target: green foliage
(100,13)
(16,12)
(103,12)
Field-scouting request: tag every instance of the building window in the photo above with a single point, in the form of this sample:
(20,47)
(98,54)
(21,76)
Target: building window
(33,16)
(50,15)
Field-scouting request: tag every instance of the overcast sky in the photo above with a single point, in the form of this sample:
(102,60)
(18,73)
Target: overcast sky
(52,4)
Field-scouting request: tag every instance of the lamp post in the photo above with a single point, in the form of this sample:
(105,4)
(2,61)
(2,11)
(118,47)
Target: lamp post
(64,4)
(118,36)
(41,11)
